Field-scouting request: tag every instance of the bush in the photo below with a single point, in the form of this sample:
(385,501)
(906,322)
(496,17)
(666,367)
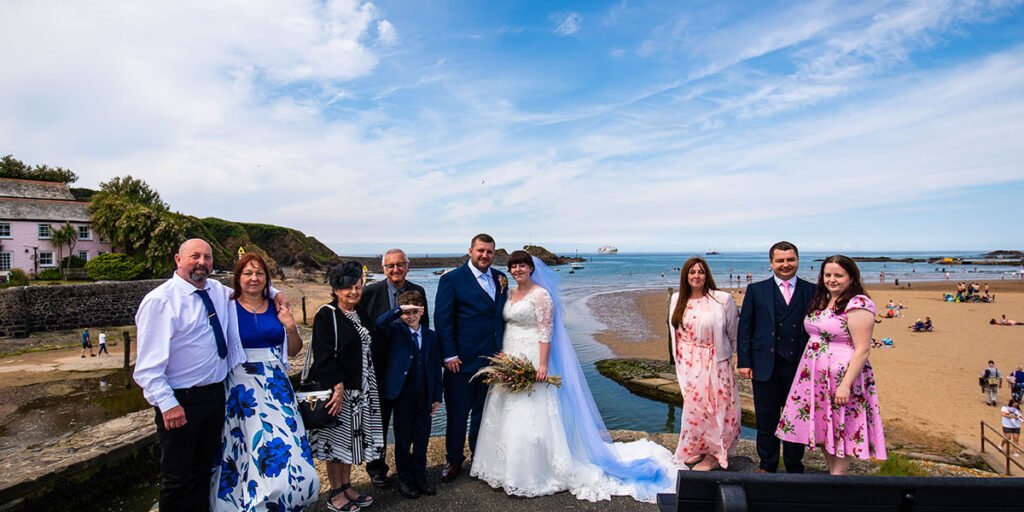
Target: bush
(72,262)
(18,278)
(113,267)
(50,274)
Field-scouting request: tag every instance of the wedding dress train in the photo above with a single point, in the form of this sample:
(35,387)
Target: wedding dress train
(552,439)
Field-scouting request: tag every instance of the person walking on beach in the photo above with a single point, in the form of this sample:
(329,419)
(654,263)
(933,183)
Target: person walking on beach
(1011,420)
(87,343)
(470,328)
(379,298)
(770,341)
(103,344)
(991,381)
(186,345)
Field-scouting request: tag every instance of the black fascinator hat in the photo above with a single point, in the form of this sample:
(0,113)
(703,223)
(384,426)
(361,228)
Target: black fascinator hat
(345,275)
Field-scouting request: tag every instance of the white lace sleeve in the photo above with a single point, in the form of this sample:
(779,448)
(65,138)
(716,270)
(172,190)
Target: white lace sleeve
(545,311)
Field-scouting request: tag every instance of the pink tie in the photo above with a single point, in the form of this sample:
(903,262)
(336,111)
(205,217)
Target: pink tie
(786,292)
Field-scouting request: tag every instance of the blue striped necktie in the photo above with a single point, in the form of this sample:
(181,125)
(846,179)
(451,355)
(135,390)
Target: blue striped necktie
(211,314)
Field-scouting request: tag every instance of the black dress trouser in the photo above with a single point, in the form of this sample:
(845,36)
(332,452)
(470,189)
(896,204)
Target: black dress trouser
(412,428)
(769,399)
(188,453)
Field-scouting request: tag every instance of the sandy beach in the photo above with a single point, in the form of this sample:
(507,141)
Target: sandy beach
(928,383)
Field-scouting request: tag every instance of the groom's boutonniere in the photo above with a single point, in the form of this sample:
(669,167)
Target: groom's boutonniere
(504,284)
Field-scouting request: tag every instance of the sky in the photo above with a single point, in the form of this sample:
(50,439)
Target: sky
(652,126)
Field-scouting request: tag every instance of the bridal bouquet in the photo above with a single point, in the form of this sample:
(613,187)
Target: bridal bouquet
(515,373)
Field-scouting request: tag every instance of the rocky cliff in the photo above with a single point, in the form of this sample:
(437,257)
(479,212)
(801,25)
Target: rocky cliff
(280,246)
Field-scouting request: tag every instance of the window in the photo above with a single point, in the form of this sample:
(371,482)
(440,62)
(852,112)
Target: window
(84,233)
(5,229)
(45,259)
(84,255)
(44,232)
(5,261)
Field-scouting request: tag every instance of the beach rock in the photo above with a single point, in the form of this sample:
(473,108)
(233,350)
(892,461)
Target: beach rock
(549,258)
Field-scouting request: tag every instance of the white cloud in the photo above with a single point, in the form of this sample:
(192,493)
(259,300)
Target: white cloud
(567,23)
(386,32)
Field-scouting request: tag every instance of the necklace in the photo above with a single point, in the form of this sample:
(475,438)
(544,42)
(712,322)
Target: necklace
(254,311)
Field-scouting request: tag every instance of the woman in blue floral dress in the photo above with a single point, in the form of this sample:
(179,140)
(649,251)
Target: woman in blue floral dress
(266,462)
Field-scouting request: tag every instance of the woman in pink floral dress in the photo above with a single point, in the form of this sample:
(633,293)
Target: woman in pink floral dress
(704,321)
(833,403)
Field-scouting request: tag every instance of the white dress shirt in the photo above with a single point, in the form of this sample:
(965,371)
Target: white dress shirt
(176,345)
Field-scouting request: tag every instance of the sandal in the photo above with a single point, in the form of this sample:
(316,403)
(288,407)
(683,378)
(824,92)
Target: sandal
(695,459)
(361,501)
(348,507)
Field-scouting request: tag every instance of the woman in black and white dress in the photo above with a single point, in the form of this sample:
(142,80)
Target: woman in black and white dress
(342,362)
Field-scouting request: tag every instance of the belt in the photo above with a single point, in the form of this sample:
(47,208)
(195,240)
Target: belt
(208,389)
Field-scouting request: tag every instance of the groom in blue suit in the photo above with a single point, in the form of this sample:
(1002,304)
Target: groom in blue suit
(770,342)
(470,328)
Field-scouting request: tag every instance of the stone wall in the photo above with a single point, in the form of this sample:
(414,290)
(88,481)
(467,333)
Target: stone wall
(28,309)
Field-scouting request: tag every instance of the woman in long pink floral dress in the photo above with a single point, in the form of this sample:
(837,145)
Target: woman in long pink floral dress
(833,403)
(704,321)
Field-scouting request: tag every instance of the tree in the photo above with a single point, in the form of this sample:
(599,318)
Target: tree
(133,217)
(11,167)
(66,235)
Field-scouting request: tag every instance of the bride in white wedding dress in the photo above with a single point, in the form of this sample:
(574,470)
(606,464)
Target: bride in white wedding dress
(553,439)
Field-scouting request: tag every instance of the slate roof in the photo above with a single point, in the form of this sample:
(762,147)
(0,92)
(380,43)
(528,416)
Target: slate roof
(28,189)
(43,210)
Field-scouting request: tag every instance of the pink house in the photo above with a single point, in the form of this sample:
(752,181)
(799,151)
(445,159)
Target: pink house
(29,211)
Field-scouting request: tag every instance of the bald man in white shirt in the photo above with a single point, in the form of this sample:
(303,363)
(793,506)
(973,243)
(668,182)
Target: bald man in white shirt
(187,345)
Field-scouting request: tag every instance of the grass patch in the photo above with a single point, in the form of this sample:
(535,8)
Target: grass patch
(899,465)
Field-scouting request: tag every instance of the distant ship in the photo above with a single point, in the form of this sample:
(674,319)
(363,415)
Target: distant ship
(711,252)
(607,249)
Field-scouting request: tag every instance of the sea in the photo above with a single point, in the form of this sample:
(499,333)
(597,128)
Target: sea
(581,290)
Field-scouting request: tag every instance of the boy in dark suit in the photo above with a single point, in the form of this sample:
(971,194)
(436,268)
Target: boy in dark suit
(412,382)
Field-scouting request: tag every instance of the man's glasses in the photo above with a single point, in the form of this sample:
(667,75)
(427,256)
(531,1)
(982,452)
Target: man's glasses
(392,266)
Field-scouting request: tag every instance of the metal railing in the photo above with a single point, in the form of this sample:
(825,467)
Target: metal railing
(1005,448)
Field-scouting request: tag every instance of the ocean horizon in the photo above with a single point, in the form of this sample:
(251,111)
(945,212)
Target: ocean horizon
(605,274)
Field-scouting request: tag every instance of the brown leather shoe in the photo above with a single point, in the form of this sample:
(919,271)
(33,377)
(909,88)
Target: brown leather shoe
(759,470)
(450,472)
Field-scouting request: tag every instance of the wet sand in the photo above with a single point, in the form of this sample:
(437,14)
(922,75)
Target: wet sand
(928,383)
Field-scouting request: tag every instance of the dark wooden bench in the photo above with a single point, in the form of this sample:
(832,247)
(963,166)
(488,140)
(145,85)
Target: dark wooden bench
(720,491)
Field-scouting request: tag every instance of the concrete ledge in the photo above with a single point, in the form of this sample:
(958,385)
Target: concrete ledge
(82,468)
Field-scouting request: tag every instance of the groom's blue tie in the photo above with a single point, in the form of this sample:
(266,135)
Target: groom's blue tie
(488,283)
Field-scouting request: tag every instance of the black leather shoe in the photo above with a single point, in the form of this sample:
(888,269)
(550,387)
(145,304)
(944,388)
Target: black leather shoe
(406,490)
(450,472)
(380,481)
(425,486)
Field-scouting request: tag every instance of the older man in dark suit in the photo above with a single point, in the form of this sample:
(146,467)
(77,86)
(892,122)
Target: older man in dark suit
(770,341)
(379,298)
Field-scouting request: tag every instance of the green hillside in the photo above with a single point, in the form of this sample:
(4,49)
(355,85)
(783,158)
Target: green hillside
(280,246)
